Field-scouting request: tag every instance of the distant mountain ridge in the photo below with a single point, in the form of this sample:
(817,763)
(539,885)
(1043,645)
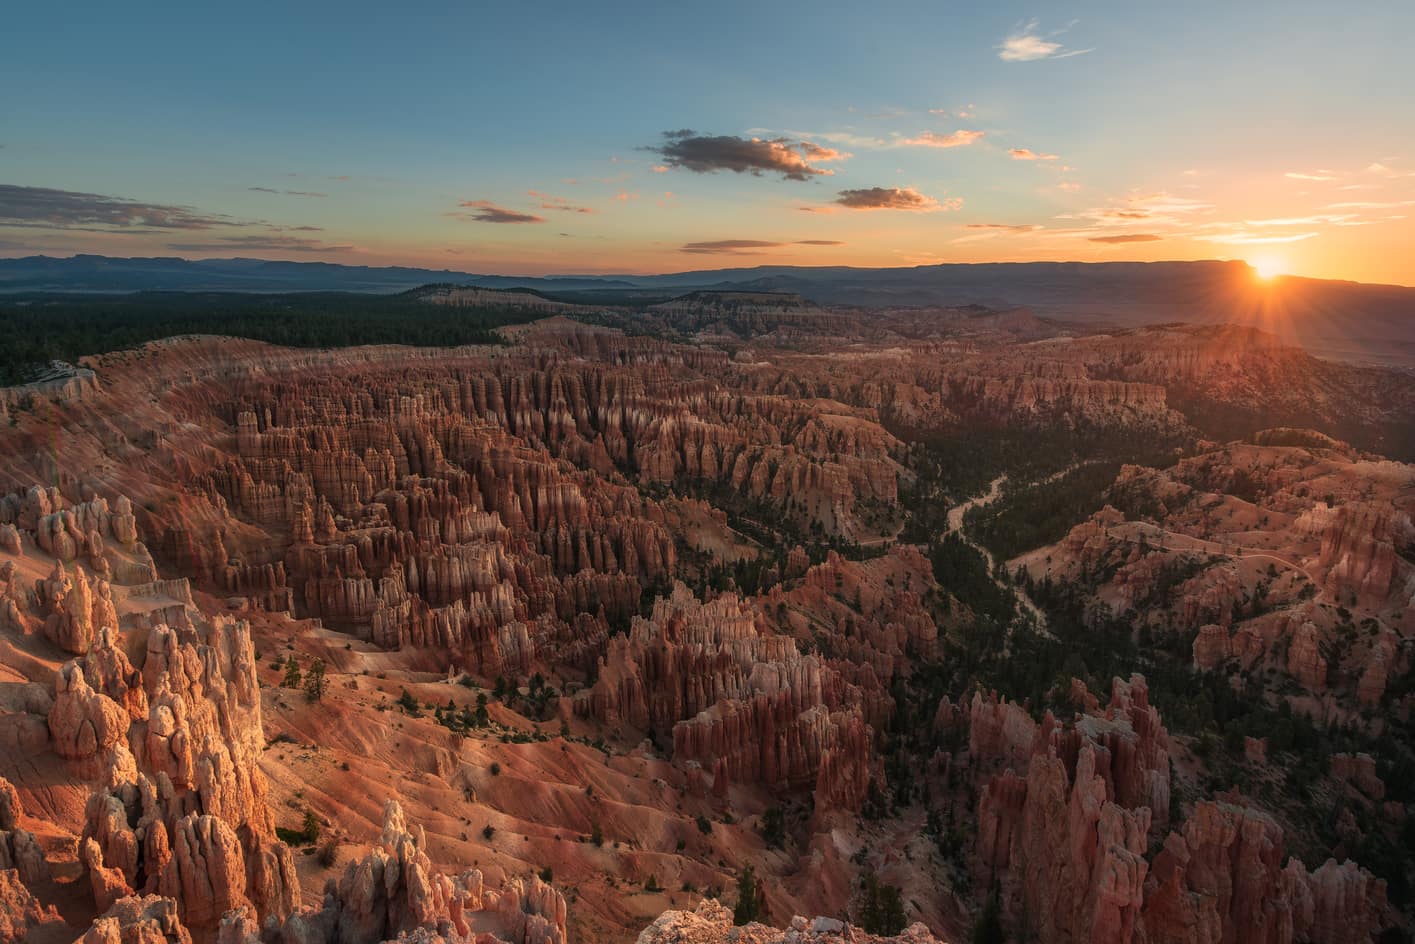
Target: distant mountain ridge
(1346,320)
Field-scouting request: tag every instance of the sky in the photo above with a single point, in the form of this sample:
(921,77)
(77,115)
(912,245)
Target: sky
(543,138)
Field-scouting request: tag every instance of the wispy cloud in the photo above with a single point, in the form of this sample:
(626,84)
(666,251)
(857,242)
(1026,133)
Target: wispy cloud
(893,198)
(1314,220)
(748,247)
(930,139)
(259,244)
(288,193)
(1370,205)
(560,204)
(484,211)
(1006,227)
(708,154)
(1126,238)
(1147,210)
(43,208)
(1244,238)
(1317,175)
(1027,44)
(1026,154)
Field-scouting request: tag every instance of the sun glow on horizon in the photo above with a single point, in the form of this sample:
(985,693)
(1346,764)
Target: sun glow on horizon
(1267,267)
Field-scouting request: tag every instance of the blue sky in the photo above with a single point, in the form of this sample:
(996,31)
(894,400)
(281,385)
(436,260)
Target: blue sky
(1087,130)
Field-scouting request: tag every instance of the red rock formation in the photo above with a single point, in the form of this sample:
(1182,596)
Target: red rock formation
(148,920)
(18,849)
(22,917)
(1222,879)
(711,923)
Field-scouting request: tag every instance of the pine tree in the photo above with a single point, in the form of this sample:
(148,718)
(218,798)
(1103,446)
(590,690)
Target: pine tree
(989,930)
(314,681)
(749,905)
(292,673)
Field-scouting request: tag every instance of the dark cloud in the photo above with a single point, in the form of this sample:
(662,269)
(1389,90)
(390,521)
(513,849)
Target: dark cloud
(1126,238)
(289,193)
(704,154)
(888,198)
(258,243)
(484,211)
(44,208)
(819,242)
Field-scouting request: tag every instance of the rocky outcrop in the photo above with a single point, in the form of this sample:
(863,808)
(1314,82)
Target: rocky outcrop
(23,917)
(1068,837)
(147,920)
(711,923)
(18,849)
(394,891)
(1223,878)
(84,724)
(740,701)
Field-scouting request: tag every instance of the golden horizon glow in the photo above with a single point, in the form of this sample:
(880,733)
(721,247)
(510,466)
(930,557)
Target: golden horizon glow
(1268,268)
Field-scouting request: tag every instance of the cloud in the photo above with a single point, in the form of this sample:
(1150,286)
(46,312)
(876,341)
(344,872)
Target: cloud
(259,243)
(1255,239)
(1024,154)
(1026,44)
(703,154)
(1319,175)
(1070,186)
(44,208)
(288,193)
(1146,210)
(1006,227)
(930,139)
(484,211)
(1316,220)
(732,246)
(1360,205)
(547,202)
(1126,238)
(748,247)
(893,198)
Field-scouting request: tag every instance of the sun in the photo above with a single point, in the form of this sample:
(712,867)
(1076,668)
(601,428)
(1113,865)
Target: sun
(1267,267)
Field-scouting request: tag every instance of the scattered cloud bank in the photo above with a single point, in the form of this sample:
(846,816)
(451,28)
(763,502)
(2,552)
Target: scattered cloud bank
(1026,154)
(484,211)
(708,154)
